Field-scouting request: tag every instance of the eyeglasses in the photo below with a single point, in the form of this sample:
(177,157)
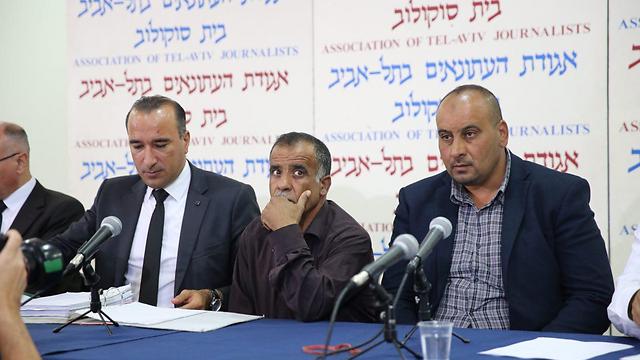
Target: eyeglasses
(10,156)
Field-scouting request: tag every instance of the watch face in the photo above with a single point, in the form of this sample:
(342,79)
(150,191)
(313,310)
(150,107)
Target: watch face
(216,304)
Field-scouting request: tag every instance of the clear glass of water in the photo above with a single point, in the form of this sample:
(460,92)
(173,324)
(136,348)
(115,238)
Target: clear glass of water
(435,337)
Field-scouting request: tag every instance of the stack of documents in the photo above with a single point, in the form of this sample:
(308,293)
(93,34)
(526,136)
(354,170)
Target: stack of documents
(61,307)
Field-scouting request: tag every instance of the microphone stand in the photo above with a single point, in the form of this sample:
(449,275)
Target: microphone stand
(91,279)
(389,317)
(422,288)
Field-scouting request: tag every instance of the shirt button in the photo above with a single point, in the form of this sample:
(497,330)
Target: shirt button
(475,279)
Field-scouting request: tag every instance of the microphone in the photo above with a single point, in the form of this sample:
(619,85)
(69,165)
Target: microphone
(404,247)
(110,226)
(439,228)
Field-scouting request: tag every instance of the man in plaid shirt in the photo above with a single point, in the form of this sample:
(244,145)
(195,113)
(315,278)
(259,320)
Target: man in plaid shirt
(526,252)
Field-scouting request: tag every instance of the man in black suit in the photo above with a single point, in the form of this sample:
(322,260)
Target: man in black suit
(179,223)
(26,205)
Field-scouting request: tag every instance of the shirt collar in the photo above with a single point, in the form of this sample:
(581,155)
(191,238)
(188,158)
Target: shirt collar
(179,187)
(15,201)
(460,195)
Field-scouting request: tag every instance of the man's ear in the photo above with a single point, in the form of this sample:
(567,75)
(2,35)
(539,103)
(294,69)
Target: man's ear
(325,184)
(503,130)
(187,140)
(23,162)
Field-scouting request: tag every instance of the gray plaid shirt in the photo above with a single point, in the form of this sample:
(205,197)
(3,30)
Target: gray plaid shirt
(474,294)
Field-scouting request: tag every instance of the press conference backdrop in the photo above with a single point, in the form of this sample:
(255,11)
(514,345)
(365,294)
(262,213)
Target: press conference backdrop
(366,78)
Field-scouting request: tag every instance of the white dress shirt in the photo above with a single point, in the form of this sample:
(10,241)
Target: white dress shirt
(14,203)
(173,214)
(628,284)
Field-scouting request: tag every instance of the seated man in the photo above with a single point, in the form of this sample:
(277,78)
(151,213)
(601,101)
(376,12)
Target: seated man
(26,205)
(295,259)
(624,311)
(179,223)
(525,251)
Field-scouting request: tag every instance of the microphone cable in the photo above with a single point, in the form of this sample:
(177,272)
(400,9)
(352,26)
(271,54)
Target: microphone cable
(332,320)
(38,293)
(334,314)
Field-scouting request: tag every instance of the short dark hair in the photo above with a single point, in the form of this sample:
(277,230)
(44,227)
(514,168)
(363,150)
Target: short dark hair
(323,156)
(16,133)
(147,104)
(488,95)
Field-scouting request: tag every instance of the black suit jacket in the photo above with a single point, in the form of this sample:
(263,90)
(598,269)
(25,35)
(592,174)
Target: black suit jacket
(46,213)
(555,270)
(43,215)
(216,212)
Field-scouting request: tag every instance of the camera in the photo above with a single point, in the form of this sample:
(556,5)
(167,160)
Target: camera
(44,261)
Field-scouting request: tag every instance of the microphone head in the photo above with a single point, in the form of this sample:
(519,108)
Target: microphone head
(408,244)
(443,224)
(113,223)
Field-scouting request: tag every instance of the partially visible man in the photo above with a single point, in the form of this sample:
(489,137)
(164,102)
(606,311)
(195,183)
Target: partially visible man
(15,342)
(295,259)
(624,310)
(526,253)
(179,223)
(26,205)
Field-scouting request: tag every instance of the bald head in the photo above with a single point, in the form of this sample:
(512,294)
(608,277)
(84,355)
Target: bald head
(14,135)
(480,96)
(14,158)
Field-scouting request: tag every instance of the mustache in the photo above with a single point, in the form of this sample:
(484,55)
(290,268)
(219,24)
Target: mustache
(286,194)
(461,162)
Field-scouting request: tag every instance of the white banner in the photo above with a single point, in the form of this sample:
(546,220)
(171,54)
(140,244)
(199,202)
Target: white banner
(366,78)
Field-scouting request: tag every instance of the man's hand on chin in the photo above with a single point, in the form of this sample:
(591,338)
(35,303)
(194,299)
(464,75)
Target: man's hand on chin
(281,212)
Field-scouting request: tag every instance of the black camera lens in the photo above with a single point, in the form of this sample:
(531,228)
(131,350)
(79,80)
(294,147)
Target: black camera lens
(43,261)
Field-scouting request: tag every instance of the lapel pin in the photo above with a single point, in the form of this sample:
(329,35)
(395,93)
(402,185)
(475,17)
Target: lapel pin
(197,202)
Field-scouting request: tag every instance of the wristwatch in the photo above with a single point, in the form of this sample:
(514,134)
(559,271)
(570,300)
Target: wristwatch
(216,300)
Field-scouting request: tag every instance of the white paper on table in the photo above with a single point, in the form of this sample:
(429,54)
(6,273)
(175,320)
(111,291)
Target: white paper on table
(147,316)
(76,300)
(631,357)
(137,313)
(60,301)
(556,349)
(207,321)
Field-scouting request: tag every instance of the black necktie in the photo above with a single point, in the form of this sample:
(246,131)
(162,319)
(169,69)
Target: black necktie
(3,206)
(151,266)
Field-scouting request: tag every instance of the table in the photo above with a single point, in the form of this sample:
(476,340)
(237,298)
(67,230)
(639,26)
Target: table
(265,339)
